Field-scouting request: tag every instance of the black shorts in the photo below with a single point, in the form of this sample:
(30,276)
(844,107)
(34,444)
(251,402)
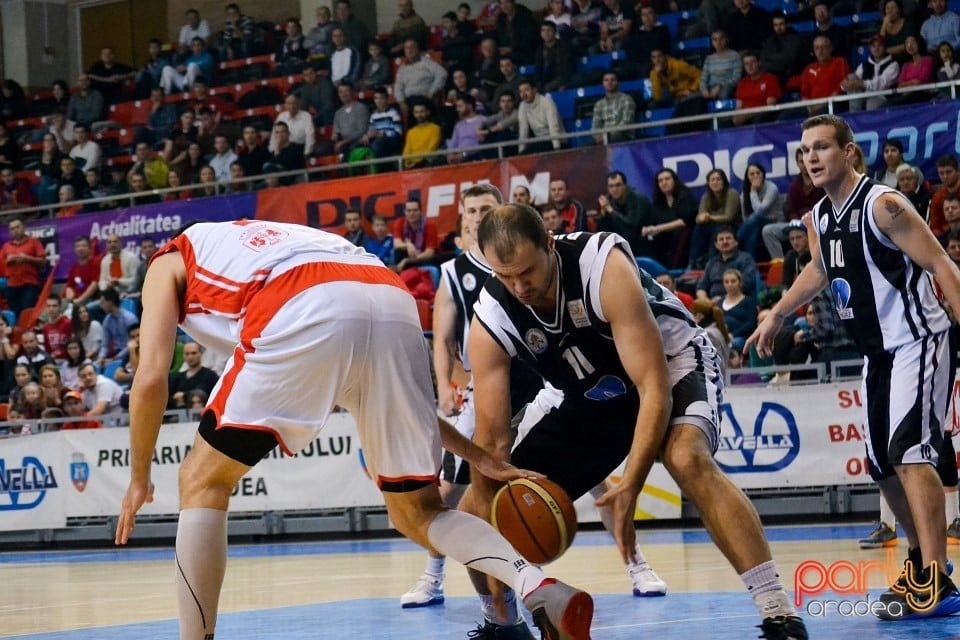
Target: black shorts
(246,446)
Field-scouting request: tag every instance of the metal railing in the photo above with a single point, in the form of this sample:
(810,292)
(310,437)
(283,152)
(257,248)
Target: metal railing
(715,120)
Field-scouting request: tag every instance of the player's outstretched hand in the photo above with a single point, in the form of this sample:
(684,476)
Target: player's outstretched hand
(622,500)
(763,336)
(503,471)
(137,494)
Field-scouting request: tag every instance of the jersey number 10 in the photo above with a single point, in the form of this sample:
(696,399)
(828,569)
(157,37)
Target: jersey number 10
(836,253)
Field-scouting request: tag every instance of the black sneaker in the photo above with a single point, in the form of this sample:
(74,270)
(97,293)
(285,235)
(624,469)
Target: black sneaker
(783,628)
(491,631)
(914,560)
(903,601)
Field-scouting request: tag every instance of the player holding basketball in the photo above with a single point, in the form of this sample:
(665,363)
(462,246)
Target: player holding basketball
(876,253)
(309,322)
(577,309)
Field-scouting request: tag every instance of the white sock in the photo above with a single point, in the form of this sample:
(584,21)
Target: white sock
(477,545)
(763,583)
(201,559)
(886,513)
(641,562)
(435,566)
(952,506)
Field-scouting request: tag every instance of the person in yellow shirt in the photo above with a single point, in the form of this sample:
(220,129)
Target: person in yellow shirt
(423,137)
(676,83)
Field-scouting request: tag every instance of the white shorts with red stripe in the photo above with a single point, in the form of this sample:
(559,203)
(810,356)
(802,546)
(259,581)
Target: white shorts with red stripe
(320,335)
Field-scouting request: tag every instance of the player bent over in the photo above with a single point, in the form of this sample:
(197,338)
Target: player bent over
(310,322)
(639,379)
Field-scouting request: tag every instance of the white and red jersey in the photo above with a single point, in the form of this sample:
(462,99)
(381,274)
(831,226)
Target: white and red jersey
(228,263)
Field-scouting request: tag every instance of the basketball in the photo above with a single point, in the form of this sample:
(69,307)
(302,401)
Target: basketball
(537,517)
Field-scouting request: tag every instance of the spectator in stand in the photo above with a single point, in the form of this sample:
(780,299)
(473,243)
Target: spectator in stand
(728,256)
(57,329)
(552,220)
(650,36)
(193,376)
(67,196)
(50,156)
(761,204)
(358,36)
(721,69)
(15,193)
(82,285)
(949,183)
(202,100)
(51,384)
(88,330)
(199,64)
(840,38)
(345,61)
(719,208)
(73,408)
(824,77)
(511,79)
(521,195)
(116,325)
(502,126)
(148,247)
(798,256)
(747,25)
(207,186)
(667,280)
(953,247)
(739,309)
(423,137)
(618,21)
(675,83)
(350,123)
(710,317)
(457,46)
(951,213)
(948,70)
(31,355)
(891,161)
(293,51)
(33,401)
(784,53)
(538,117)
(419,78)
(465,131)
(613,111)
(353,227)
(623,210)
(517,32)
(254,153)
(237,183)
(118,267)
(486,75)
(62,130)
(285,155)
(161,120)
(85,152)
(195,27)
(910,182)
(757,88)
(237,36)
(58,101)
(381,243)
(86,104)
(25,260)
(223,157)
(299,124)
(318,95)
(376,70)
(385,132)
(9,150)
(414,237)
(916,70)
(139,191)
(96,189)
(896,28)
(570,211)
(101,394)
(943,25)
(22,376)
(13,102)
(152,70)
(320,38)
(801,197)
(673,211)
(487,20)
(553,60)
(174,181)
(558,13)
(407,26)
(879,72)
(150,165)
(109,76)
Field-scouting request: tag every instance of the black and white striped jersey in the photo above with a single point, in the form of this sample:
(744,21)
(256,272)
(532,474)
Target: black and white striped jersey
(465,275)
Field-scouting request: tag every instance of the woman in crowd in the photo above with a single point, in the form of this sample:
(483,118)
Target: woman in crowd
(76,358)
(910,183)
(710,317)
(8,352)
(21,378)
(719,206)
(34,401)
(50,156)
(739,309)
(208,183)
(762,204)
(174,180)
(87,330)
(13,101)
(674,209)
(886,172)
(801,196)
(948,70)
(52,385)
(916,70)
(896,28)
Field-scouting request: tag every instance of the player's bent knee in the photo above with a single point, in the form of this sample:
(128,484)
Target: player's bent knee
(411,512)
(689,465)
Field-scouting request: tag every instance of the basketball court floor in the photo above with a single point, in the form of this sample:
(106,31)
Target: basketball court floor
(351,589)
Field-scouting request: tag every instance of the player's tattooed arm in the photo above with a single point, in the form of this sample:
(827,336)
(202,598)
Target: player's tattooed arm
(894,208)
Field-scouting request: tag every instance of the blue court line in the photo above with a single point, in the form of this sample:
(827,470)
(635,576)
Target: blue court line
(718,616)
(584,539)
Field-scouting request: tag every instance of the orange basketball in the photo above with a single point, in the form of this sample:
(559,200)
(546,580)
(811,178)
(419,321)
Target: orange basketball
(537,517)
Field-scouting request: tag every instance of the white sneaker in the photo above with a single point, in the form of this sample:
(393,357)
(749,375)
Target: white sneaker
(427,592)
(646,583)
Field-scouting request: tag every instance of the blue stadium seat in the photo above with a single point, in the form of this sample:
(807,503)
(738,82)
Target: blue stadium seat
(650,265)
(10,317)
(130,305)
(580,125)
(693,44)
(858,56)
(434,273)
(721,105)
(862,18)
(672,21)
(655,115)
(111,369)
(643,86)
(528,70)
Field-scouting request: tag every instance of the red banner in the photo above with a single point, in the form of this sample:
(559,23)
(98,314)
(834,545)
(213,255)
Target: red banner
(322,204)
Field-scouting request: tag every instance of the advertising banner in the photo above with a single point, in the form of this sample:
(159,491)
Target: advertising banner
(32,483)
